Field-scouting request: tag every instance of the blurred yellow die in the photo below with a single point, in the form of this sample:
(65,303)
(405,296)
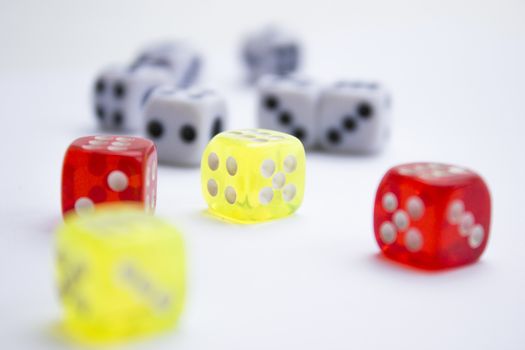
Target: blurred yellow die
(120,273)
(253,175)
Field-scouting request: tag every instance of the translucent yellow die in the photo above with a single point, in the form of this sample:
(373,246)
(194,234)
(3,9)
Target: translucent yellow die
(253,175)
(120,273)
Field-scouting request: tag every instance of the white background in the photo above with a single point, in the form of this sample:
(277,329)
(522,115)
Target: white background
(315,280)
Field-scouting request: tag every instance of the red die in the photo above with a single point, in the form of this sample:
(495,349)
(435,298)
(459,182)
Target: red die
(108,169)
(432,215)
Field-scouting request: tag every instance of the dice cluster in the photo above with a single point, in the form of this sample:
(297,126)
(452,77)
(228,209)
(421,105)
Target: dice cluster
(156,96)
(120,269)
(343,117)
(120,91)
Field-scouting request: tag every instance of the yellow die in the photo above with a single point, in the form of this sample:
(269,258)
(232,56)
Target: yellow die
(253,175)
(120,273)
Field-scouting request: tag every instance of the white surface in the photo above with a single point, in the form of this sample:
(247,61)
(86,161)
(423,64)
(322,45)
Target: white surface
(315,280)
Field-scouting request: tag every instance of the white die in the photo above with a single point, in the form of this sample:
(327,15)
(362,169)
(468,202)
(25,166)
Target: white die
(118,94)
(182,122)
(179,57)
(354,117)
(271,51)
(289,104)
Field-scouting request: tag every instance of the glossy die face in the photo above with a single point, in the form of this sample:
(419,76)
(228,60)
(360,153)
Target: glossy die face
(182,122)
(180,58)
(354,117)
(271,51)
(118,95)
(253,175)
(101,169)
(120,273)
(289,105)
(432,215)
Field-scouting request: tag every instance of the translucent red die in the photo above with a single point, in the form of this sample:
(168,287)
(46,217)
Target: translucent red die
(109,169)
(432,215)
